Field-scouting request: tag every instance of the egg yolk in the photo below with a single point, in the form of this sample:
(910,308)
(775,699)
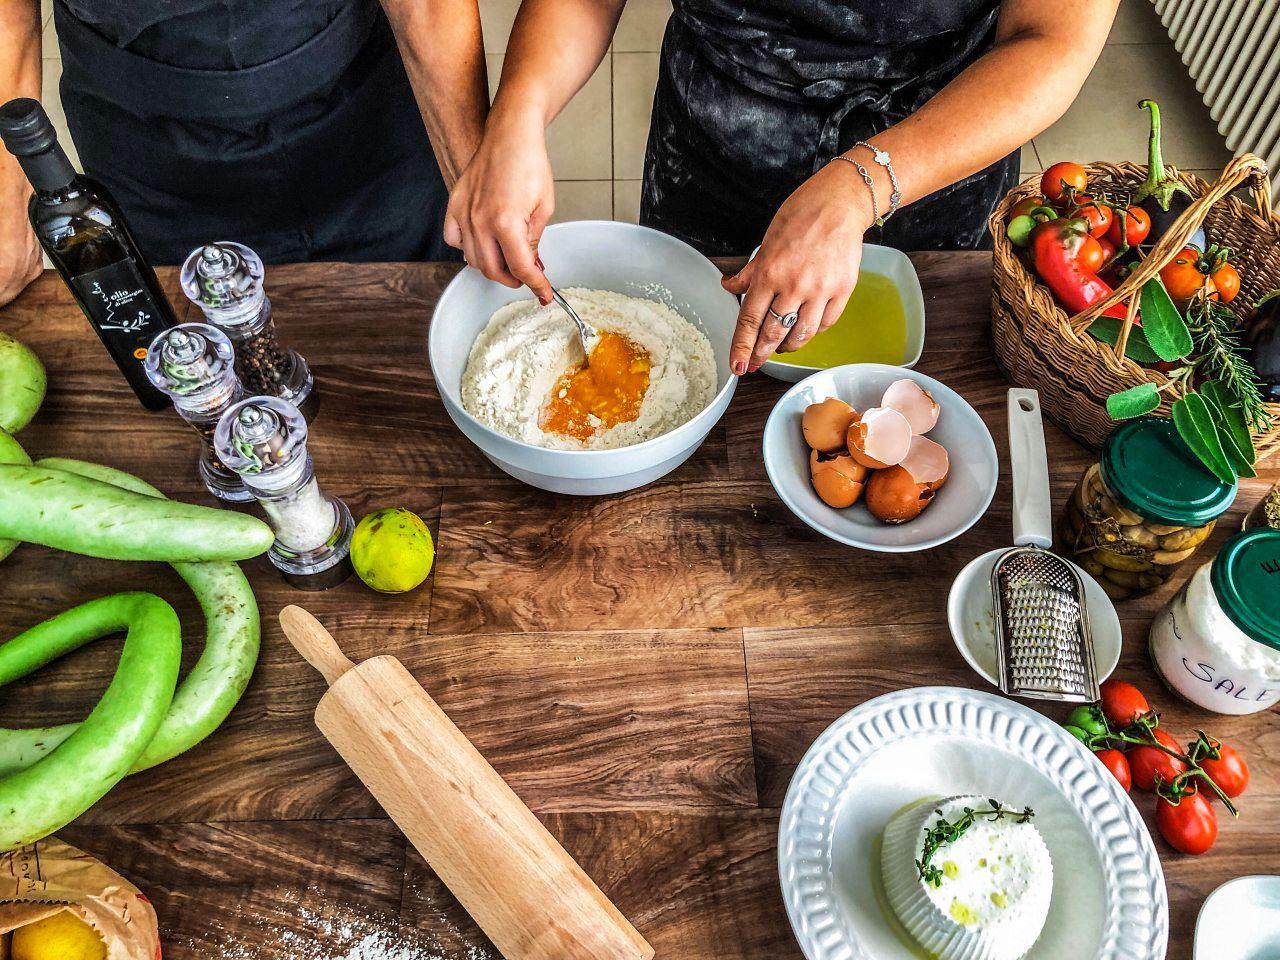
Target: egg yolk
(607,391)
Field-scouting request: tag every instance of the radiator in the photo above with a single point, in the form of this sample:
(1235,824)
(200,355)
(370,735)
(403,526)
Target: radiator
(1232,49)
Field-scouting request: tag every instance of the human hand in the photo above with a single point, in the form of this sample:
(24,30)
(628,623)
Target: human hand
(501,204)
(20,259)
(807,264)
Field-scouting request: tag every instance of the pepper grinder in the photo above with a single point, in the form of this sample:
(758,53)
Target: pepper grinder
(264,440)
(194,364)
(224,279)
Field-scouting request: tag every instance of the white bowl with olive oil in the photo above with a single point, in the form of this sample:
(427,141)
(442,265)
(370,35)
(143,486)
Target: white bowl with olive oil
(882,323)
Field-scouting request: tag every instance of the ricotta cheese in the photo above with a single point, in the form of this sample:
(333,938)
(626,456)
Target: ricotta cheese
(993,892)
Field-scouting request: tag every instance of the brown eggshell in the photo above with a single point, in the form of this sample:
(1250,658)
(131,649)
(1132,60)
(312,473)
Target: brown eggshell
(836,478)
(927,462)
(914,402)
(879,438)
(825,424)
(894,497)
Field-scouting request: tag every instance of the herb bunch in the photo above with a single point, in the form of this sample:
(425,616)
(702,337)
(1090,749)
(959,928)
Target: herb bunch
(946,831)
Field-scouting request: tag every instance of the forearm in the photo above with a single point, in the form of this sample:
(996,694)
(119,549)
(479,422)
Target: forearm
(442,47)
(19,69)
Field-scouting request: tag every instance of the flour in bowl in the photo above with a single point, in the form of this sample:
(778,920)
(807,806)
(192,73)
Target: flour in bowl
(524,353)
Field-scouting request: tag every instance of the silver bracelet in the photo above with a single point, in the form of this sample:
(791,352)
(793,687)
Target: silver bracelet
(871,185)
(882,157)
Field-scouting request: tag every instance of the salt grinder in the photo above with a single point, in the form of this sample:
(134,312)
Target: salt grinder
(224,279)
(193,363)
(264,439)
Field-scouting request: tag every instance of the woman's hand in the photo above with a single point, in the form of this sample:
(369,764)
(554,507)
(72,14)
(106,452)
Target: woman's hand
(20,259)
(807,264)
(501,204)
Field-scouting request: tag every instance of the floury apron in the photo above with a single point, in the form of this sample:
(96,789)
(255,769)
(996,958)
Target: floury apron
(754,96)
(288,125)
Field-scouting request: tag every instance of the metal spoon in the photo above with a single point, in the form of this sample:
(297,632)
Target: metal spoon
(587,334)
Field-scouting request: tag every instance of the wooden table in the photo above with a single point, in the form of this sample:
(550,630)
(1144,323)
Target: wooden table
(645,669)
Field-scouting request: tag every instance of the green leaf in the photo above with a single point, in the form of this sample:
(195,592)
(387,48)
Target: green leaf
(1234,429)
(1135,402)
(1192,417)
(1166,330)
(1107,329)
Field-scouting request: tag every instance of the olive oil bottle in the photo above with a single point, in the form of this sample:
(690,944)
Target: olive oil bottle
(86,237)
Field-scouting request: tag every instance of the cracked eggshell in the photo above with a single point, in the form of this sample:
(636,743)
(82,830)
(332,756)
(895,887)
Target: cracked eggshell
(927,462)
(879,438)
(914,402)
(837,478)
(894,496)
(825,424)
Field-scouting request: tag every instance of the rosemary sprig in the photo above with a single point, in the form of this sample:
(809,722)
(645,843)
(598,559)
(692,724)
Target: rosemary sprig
(1219,355)
(945,831)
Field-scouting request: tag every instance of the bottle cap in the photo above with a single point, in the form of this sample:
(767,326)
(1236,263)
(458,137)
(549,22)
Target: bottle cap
(1153,472)
(1246,579)
(29,135)
(194,363)
(264,439)
(224,279)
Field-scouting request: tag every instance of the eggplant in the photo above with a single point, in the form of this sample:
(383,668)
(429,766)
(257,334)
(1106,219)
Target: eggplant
(1266,345)
(1165,198)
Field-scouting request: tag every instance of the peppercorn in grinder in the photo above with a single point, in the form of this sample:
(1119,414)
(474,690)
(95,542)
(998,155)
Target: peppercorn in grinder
(224,279)
(264,439)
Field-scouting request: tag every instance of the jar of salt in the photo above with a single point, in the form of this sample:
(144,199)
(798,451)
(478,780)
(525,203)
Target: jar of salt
(264,439)
(193,363)
(224,279)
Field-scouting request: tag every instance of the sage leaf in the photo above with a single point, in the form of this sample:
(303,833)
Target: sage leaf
(1166,331)
(1107,329)
(1135,402)
(1196,426)
(1237,439)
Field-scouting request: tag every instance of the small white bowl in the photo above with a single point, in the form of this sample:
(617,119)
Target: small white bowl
(897,266)
(599,255)
(1240,920)
(958,505)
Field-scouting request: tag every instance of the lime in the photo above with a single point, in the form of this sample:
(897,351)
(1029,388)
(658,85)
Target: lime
(63,936)
(392,550)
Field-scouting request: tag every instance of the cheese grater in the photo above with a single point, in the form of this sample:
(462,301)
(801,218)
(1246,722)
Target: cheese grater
(1043,646)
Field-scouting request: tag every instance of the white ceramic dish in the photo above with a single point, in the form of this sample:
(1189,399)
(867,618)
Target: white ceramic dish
(958,505)
(605,256)
(1109,900)
(1240,921)
(972,618)
(897,266)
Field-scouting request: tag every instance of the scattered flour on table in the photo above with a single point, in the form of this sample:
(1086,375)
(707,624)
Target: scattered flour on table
(525,349)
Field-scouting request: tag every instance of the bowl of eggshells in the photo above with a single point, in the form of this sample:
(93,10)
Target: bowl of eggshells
(880,457)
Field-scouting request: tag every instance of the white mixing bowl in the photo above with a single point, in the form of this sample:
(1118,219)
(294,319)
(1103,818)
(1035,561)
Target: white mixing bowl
(599,255)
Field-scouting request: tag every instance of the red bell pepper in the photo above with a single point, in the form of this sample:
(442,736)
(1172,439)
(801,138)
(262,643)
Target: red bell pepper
(1054,247)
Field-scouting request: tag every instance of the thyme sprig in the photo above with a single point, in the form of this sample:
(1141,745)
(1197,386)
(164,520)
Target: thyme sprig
(946,831)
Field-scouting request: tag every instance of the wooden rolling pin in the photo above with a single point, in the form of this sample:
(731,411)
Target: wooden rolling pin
(529,896)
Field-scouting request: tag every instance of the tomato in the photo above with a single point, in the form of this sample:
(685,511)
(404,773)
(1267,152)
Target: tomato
(1184,280)
(1091,256)
(1229,771)
(1226,279)
(1024,206)
(1108,248)
(1088,719)
(1148,763)
(1078,733)
(1117,765)
(1100,217)
(1137,226)
(1062,178)
(1122,703)
(1190,825)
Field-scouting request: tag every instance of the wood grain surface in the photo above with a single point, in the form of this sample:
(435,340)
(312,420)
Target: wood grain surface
(645,670)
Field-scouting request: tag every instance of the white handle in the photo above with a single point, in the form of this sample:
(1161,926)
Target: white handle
(1032,513)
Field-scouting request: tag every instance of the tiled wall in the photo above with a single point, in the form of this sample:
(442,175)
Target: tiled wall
(597,144)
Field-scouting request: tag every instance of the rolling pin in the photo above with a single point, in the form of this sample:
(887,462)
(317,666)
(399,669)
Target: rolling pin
(526,893)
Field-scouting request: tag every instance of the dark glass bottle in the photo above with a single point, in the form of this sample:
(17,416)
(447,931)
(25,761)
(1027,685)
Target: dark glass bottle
(85,235)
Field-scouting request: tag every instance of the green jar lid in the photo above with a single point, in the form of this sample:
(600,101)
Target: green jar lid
(1246,578)
(1153,472)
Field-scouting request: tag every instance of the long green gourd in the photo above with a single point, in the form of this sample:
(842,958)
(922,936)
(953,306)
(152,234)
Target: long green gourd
(213,686)
(10,452)
(76,774)
(79,514)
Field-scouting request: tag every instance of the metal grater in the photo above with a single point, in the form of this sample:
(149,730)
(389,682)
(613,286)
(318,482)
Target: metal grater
(1043,646)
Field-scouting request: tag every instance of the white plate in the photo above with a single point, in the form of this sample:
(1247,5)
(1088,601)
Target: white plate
(972,617)
(1240,921)
(958,505)
(1109,900)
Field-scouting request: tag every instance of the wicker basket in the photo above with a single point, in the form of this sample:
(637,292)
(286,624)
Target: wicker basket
(1039,346)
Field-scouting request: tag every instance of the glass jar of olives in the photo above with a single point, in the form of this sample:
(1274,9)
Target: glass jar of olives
(1142,510)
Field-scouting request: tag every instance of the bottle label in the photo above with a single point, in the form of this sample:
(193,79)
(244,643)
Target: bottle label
(125,316)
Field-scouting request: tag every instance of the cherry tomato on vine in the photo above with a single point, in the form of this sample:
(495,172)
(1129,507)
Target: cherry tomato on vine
(1089,719)
(1117,765)
(1137,226)
(1184,280)
(1100,216)
(1189,824)
(1226,279)
(1122,703)
(1147,763)
(1091,256)
(1024,206)
(1062,178)
(1108,248)
(1229,771)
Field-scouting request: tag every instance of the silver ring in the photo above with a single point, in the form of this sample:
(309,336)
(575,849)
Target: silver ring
(785,321)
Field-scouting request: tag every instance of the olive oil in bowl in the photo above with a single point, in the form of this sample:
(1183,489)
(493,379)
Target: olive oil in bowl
(872,329)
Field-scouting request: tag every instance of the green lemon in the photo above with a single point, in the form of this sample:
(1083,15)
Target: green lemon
(392,550)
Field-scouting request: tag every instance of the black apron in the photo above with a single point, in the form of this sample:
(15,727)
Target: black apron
(288,125)
(754,96)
